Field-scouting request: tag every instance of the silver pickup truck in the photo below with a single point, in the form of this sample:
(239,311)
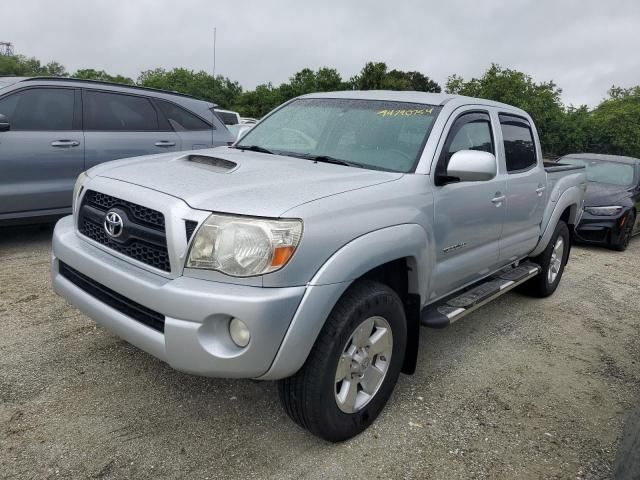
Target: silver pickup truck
(312,250)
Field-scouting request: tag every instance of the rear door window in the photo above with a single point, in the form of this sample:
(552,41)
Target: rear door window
(39,109)
(519,147)
(106,111)
(180,119)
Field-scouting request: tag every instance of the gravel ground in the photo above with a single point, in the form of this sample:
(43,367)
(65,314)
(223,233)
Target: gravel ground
(522,388)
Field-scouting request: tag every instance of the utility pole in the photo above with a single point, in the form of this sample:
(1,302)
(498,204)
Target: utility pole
(214,64)
(6,49)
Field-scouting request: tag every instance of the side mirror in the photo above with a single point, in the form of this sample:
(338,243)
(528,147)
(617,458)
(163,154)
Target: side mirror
(472,166)
(5,126)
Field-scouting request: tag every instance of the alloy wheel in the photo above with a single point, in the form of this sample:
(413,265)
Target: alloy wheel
(363,364)
(557,255)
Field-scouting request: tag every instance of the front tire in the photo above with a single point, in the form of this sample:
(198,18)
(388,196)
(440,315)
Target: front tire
(622,242)
(353,366)
(552,261)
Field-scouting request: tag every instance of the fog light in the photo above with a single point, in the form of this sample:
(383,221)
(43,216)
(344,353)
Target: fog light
(239,332)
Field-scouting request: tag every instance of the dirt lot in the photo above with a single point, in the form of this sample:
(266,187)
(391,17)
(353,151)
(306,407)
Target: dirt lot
(522,388)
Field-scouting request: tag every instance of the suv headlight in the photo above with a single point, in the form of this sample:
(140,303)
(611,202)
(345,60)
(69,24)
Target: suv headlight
(604,211)
(243,246)
(77,189)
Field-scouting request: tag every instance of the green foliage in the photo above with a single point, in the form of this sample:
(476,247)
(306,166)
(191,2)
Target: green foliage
(308,81)
(615,123)
(200,84)
(258,102)
(266,97)
(416,81)
(22,66)
(612,127)
(374,76)
(371,76)
(91,74)
(540,100)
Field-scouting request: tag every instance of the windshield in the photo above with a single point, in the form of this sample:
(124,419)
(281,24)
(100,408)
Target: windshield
(600,171)
(366,133)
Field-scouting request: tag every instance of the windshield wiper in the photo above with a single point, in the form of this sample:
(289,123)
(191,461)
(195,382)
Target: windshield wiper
(254,148)
(323,159)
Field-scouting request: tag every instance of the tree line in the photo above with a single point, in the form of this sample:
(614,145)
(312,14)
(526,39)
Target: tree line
(611,127)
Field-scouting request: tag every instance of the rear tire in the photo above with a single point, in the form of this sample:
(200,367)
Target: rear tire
(552,261)
(622,242)
(353,366)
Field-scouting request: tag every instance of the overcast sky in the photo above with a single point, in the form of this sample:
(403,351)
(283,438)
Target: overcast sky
(585,46)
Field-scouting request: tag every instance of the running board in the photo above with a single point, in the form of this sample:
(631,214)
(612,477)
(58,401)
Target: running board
(444,313)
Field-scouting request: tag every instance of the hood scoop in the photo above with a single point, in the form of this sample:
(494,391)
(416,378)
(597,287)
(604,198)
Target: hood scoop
(218,165)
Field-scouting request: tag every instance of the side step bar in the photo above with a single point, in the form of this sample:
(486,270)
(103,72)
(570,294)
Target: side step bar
(445,312)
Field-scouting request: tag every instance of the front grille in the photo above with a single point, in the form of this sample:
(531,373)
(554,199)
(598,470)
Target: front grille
(599,235)
(142,314)
(105,202)
(143,237)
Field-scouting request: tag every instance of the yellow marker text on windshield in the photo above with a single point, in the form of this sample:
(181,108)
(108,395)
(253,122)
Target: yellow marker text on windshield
(398,112)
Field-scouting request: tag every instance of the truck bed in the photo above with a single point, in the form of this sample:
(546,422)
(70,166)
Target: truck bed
(552,167)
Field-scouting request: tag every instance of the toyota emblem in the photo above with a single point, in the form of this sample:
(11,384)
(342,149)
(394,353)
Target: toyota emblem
(113,224)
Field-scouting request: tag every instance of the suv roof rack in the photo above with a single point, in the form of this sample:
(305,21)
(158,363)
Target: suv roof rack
(123,85)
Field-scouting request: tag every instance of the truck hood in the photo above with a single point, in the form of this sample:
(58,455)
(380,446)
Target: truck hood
(241,182)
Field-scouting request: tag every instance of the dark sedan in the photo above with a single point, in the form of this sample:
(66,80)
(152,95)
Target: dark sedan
(612,201)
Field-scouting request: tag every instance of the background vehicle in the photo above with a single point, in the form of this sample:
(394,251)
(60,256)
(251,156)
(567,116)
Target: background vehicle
(612,201)
(52,129)
(239,130)
(248,121)
(229,117)
(312,251)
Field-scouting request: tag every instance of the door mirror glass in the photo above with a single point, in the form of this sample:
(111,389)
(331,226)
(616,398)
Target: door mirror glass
(5,126)
(472,166)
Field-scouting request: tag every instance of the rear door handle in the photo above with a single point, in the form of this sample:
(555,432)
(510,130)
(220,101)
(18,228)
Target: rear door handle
(165,143)
(65,143)
(540,189)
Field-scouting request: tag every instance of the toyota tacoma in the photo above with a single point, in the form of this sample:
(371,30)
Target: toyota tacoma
(312,251)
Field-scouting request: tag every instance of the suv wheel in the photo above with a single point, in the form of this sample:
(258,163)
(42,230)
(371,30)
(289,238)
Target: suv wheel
(353,366)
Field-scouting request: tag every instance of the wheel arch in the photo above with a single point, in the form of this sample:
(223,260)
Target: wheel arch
(565,209)
(397,256)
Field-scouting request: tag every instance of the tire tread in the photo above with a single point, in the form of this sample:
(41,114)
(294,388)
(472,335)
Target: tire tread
(300,390)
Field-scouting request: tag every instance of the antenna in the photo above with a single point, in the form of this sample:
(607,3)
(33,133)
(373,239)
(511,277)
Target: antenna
(6,49)
(213,88)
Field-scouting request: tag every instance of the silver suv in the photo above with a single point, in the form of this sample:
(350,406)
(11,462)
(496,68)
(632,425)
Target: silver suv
(52,129)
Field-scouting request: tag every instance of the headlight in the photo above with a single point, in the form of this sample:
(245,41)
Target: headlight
(244,247)
(604,211)
(77,189)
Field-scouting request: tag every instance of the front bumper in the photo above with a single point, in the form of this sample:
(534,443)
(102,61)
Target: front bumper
(599,229)
(196,312)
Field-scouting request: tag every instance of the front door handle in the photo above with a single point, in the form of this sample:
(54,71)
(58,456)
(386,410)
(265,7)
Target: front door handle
(498,199)
(540,189)
(165,143)
(65,143)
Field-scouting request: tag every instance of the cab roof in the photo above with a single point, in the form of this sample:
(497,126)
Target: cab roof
(413,97)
